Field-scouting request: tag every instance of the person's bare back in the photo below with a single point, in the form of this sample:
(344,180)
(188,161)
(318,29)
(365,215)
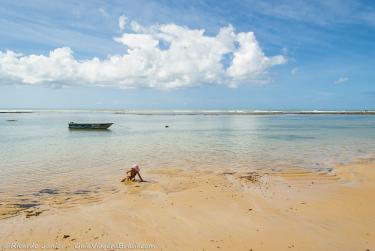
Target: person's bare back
(132,173)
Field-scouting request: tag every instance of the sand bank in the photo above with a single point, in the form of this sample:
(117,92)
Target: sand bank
(226,210)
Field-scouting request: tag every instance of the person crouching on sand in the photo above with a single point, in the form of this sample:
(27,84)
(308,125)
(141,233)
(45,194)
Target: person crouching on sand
(130,175)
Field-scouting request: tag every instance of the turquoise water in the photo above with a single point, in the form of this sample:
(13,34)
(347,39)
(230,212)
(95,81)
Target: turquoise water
(38,151)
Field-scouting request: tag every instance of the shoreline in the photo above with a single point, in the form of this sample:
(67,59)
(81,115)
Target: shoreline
(244,113)
(197,112)
(227,210)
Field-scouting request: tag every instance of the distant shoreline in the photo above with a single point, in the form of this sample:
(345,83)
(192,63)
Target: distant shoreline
(197,112)
(16,112)
(252,113)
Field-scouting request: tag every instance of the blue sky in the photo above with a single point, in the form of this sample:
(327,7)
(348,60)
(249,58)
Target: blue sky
(318,54)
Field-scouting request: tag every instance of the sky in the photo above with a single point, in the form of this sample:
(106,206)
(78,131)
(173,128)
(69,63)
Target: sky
(171,54)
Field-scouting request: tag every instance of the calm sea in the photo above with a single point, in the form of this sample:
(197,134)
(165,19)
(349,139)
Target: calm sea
(40,156)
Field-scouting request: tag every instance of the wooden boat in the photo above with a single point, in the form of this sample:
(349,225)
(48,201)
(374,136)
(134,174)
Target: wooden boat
(93,126)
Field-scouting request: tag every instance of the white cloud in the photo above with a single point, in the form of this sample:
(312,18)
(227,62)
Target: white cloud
(103,12)
(294,71)
(138,41)
(341,80)
(122,20)
(136,27)
(160,56)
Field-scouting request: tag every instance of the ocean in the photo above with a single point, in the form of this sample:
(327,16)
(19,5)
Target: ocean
(41,158)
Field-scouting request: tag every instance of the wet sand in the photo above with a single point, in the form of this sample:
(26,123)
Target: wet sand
(224,210)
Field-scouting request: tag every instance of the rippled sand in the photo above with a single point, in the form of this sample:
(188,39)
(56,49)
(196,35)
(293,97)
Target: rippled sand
(226,210)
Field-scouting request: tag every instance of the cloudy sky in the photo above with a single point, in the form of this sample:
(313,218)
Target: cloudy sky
(187,54)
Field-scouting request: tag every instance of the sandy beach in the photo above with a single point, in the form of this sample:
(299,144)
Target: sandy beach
(204,210)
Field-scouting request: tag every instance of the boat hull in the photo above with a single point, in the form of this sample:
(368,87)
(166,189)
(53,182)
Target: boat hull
(90,126)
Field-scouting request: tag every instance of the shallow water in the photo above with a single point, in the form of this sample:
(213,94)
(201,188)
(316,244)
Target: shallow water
(38,151)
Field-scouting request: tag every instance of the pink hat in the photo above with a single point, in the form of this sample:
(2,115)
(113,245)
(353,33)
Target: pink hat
(136,167)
